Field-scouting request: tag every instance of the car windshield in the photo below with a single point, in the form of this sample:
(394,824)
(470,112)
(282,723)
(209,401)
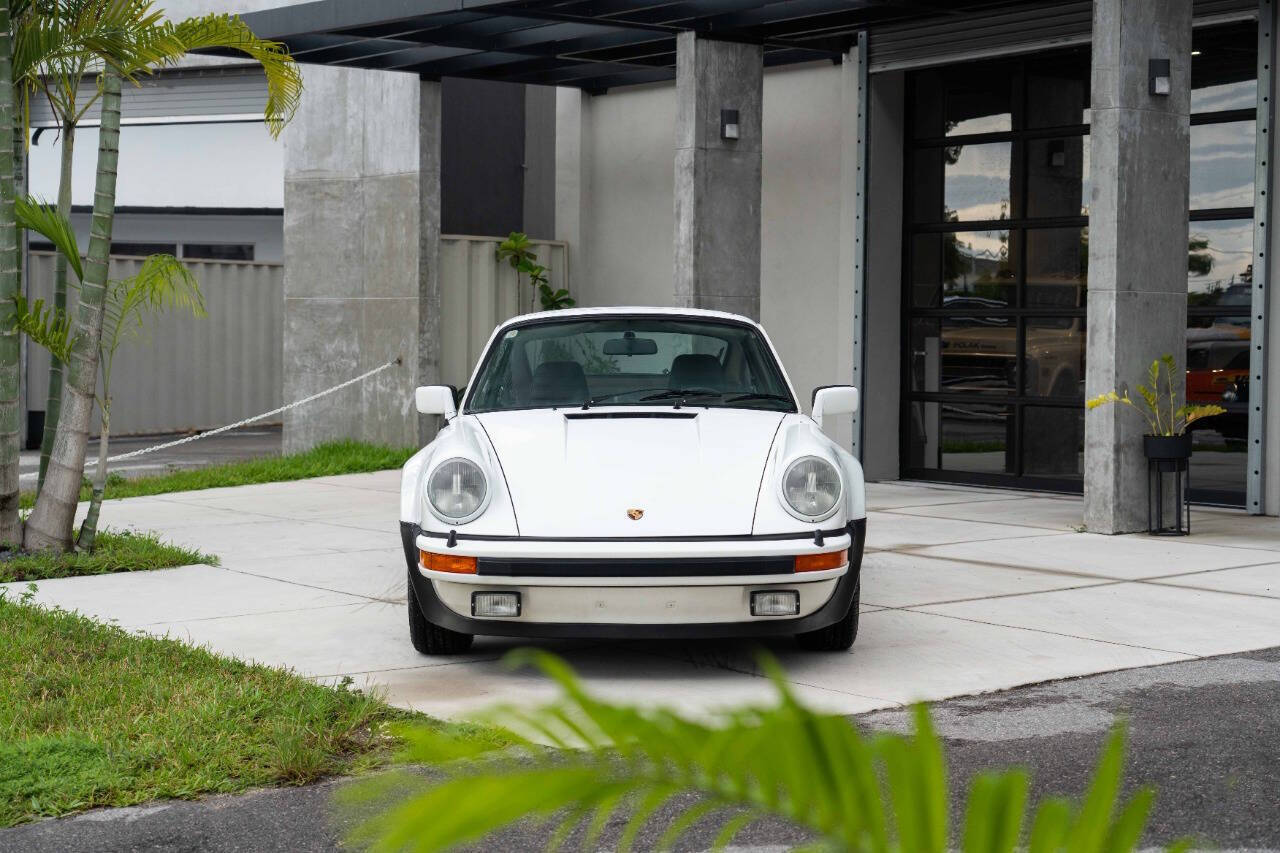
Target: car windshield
(629,361)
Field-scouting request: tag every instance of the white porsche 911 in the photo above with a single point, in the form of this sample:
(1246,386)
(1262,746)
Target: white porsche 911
(632,473)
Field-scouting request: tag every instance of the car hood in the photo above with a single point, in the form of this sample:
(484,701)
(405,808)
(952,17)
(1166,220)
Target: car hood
(583,473)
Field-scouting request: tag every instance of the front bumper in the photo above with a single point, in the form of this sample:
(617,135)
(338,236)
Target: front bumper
(565,603)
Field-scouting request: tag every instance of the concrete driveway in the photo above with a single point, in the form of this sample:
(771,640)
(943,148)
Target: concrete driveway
(964,591)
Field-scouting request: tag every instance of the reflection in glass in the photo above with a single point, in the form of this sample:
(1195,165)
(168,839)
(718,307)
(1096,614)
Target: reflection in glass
(962,437)
(1057,176)
(963,183)
(1224,67)
(1220,263)
(965,270)
(1053,365)
(1057,267)
(1058,90)
(1052,442)
(1222,165)
(973,355)
(973,98)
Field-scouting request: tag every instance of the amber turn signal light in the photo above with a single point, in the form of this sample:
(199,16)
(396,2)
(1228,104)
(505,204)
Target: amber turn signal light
(447,563)
(821,562)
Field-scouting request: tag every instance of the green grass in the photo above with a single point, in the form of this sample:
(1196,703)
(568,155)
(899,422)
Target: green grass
(113,551)
(325,460)
(91,715)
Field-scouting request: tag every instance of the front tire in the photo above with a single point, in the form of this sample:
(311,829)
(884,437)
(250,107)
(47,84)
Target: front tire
(431,639)
(838,637)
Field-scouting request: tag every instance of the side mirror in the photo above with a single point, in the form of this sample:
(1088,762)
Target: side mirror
(436,400)
(834,400)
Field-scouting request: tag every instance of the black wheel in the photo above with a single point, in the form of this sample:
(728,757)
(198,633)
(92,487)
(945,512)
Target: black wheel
(838,637)
(431,639)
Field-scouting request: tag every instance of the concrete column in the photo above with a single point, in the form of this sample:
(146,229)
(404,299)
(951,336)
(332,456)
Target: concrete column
(717,180)
(573,184)
(1137,304)
(426,284)
(351,247)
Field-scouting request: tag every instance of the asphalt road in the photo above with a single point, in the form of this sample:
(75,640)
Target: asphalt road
(1205,733)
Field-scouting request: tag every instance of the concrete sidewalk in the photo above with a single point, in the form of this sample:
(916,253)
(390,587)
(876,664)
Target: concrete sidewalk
(964,591)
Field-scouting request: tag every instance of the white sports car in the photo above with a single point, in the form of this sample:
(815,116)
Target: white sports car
(632,472)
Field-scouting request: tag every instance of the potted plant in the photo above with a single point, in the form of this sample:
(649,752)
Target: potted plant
(1167,437)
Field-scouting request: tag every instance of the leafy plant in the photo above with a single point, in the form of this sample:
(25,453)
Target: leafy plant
(885,793)
(1159,407)
(516,250)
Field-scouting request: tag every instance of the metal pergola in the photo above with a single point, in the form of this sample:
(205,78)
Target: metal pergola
(590,44)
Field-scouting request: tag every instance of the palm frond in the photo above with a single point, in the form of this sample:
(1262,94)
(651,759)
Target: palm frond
(43,218)
(229,33)
(162,283)
(45,325)
(620,762)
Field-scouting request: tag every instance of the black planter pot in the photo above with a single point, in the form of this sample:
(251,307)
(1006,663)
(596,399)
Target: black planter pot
(1168,456)
(1167,446)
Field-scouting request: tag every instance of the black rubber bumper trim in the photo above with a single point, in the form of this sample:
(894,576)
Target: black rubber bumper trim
(634,568)
(833,611)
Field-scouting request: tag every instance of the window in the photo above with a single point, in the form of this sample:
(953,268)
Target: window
(638,361)
(1220,254)
(997,271)
(996,267)
(141,250)
(218,251)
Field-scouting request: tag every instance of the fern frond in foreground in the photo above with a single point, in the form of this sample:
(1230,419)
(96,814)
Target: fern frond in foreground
(638,766)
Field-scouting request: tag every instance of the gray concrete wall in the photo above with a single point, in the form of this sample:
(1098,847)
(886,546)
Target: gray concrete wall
(1137,303)
(883,330)
(717,180)
(540,162)
(351,245)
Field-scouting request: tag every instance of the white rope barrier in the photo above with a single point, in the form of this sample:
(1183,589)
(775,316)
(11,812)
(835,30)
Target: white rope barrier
(92,463)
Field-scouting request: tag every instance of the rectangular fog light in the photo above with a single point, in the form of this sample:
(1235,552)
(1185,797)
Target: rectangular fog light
(495,604)
(783,602)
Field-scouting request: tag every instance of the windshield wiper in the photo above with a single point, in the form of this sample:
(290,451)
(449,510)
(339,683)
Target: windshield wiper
(601,398)
(680,394)
(741,398)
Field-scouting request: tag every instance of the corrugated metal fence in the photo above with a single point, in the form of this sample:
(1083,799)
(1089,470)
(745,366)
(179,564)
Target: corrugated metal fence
(186,373)
(478,293)
(183,372)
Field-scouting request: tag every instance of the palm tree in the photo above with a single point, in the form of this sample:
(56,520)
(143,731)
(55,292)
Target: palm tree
(10,525)
(161,283)
(127,52)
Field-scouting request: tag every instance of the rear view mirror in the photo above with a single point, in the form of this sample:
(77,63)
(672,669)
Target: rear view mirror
(436,400)
(630,346)
(834,400)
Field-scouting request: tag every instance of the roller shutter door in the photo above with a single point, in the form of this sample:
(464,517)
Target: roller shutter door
(1019,29)
(177,97)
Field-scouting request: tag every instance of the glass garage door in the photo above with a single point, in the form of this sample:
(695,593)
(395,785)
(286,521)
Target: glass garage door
(996,266)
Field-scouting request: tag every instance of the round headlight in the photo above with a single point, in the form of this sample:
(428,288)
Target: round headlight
(457,489)
(811,488)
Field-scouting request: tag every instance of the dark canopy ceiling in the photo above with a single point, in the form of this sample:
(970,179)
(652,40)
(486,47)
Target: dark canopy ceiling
(592,44)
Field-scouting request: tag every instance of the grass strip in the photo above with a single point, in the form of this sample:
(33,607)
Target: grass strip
(113,551)
(92,715)
(324,460)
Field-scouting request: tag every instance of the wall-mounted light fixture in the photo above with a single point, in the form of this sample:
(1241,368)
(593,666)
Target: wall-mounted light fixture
(1158,76)
(728,124)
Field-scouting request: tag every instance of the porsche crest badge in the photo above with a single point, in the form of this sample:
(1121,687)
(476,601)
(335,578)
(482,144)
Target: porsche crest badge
(635,514)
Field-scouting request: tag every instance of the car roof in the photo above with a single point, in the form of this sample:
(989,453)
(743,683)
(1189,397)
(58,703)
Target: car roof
(630,311)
